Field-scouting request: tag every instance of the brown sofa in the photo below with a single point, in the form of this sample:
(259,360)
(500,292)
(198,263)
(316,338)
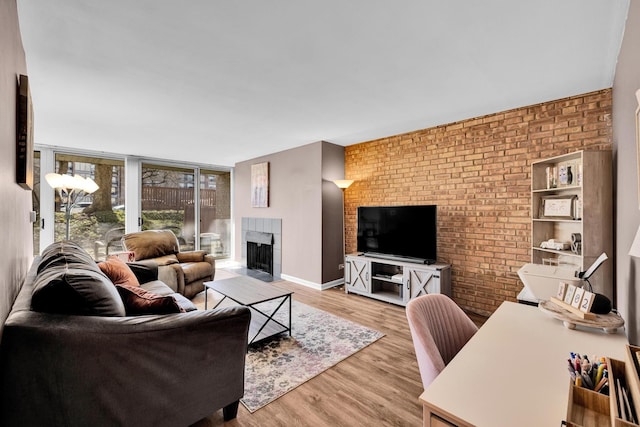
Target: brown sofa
(70,356)
(184,272)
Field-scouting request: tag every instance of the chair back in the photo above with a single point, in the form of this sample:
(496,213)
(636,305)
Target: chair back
(151,243)
(439,329)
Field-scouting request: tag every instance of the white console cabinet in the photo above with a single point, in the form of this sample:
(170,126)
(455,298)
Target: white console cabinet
(395,281)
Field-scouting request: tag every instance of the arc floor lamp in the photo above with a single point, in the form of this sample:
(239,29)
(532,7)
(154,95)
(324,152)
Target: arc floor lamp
(343,184)
(71,190)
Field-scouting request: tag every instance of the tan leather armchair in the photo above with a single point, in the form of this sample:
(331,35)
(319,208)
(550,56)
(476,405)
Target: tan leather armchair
(184,272)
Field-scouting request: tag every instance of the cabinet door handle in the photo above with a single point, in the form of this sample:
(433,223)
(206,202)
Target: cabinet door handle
(347,272)
(366,276)
(407,285)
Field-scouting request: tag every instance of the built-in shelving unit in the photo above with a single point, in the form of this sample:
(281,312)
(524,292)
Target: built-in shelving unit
(571,200)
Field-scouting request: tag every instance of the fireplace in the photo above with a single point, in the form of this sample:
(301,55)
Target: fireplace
(262,240)
(260,251)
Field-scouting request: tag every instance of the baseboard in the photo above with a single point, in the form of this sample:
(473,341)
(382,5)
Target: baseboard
(312,285)
(333,284)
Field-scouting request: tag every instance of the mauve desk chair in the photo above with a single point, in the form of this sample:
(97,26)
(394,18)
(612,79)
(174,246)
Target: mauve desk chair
(439,329)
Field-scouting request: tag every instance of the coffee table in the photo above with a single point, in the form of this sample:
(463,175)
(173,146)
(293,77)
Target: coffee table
(251,292)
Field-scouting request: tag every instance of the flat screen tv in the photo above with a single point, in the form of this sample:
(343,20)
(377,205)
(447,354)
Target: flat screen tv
(399,232)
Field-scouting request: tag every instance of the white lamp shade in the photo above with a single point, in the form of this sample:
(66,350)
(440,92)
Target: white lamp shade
(343,183)
(68,182)
(78,183)
(90,186)
(54,180)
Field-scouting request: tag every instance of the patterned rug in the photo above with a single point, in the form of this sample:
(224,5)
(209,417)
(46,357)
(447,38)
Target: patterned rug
(320,340)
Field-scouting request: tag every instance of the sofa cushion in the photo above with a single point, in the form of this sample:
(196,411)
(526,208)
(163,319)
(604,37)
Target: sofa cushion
(184,303)
(157,287)
(66,254)
(151,243)
(118,271)
(145,271)
(139,301)
(79,291)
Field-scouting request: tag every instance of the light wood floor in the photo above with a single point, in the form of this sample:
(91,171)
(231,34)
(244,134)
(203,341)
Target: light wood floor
(377,386)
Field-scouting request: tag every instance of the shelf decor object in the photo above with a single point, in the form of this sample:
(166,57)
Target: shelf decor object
(558,207)
(71,190)
(609,323)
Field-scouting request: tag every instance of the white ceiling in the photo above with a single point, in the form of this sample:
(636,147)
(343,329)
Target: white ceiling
(218,82)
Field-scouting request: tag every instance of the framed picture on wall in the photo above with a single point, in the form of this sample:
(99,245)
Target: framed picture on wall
(24,135)
(260,185)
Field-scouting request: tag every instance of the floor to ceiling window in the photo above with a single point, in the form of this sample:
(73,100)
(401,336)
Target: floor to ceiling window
(97,220)
(193,202)
(215,212)
(168,201)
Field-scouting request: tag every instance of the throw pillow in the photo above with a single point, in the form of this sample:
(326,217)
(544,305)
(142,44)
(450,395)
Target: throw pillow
(118,271)
(138,301)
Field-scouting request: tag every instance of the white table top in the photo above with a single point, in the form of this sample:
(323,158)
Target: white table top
(513,371)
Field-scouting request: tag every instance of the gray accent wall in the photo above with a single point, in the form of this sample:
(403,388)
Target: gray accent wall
(332,214)
(16,251)
(298,192)
(627,212)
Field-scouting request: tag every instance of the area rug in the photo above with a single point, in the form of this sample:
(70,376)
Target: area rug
(319,341)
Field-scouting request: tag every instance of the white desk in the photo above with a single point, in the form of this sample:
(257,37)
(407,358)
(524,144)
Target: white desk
(514,371)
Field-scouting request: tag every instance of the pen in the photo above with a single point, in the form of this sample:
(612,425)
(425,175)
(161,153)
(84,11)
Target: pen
(599,373)
(601,384)
(586,380)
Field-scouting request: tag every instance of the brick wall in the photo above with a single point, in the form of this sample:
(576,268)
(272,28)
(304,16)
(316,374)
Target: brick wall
(478,173)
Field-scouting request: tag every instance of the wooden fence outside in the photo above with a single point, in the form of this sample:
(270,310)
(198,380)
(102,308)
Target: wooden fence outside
(167,198)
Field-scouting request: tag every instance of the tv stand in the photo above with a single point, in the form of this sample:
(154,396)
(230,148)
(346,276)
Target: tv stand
(395,279)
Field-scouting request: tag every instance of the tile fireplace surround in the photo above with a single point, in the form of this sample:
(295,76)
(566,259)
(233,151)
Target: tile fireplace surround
(265,225)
